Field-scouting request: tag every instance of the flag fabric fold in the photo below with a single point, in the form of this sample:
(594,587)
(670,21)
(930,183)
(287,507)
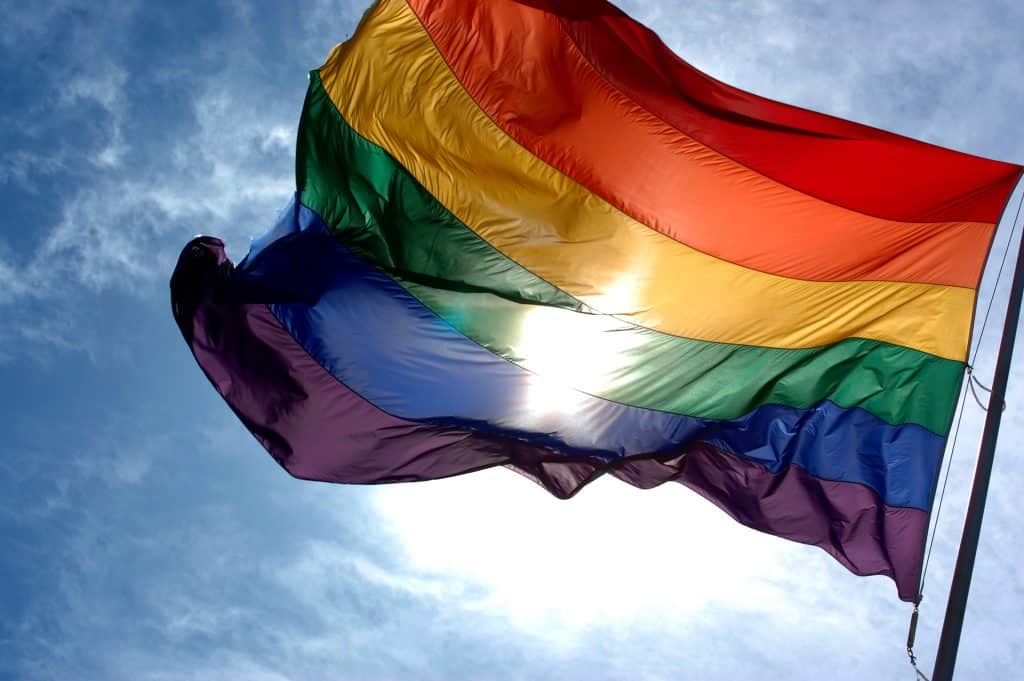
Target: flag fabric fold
(527,234)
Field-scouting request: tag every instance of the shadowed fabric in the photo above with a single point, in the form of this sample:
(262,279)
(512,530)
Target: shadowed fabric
(319,429)
(526,234)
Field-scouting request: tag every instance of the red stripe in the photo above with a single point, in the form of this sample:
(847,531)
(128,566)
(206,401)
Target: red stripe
(846,163)
(542,92)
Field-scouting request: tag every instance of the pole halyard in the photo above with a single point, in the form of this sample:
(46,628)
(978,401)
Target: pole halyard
(952,625)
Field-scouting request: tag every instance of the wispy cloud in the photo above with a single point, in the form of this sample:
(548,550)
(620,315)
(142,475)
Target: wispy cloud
(127,194)
(103,85)
(122,230)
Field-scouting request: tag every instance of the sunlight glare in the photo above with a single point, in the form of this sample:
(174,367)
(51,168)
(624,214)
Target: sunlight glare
(573,352)
(613,553)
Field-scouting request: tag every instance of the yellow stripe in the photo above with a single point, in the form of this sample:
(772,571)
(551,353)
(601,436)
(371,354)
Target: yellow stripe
(393,87)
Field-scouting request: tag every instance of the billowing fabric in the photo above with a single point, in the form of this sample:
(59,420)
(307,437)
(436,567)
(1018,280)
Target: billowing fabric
(527,234)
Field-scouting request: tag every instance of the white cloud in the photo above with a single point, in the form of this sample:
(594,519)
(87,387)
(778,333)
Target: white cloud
(123,230)
(12,284)
(103,85)
(606,556)
(27,168)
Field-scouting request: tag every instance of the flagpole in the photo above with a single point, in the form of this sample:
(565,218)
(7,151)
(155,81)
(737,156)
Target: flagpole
(949,640)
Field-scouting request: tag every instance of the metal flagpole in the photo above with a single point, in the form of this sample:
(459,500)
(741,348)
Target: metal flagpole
(953,623)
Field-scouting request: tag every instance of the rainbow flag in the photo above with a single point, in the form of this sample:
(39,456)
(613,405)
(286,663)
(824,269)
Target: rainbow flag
(527,234)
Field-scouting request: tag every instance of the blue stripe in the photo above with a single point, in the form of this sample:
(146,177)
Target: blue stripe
(379,340)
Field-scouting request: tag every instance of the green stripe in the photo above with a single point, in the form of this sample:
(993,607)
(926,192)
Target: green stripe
(387,217)
(379,210)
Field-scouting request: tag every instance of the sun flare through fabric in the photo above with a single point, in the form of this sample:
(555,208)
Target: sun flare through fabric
(527,234)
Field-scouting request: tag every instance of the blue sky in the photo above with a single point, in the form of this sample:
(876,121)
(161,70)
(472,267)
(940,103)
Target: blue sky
(145,535)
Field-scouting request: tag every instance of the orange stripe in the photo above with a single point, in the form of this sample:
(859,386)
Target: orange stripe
(392,87)
(523,71)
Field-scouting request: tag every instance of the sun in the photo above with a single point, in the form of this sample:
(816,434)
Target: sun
(573,353)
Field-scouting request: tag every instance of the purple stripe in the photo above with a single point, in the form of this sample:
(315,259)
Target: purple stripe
(319,429)
(310,422)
